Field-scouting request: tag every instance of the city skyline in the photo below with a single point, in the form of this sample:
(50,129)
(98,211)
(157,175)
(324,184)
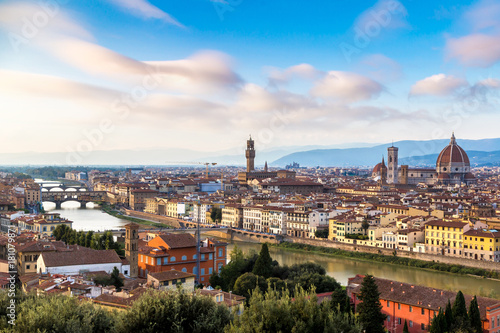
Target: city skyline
(202,75)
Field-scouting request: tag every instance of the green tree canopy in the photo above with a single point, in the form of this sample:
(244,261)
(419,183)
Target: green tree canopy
(248,282)
(460,317)
(273,312)
(175,312)
(370,309)
(264,264)
(475,316)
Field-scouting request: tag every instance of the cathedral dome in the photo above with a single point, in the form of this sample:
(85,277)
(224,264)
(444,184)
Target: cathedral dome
(453,159)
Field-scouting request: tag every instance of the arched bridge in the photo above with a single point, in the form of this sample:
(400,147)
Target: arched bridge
(82,197)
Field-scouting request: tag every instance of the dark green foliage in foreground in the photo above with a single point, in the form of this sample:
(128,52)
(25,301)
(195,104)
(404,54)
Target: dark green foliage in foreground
(272,312)
(57,314)
(370,309)
(264,264)
(393,260)
(174,312)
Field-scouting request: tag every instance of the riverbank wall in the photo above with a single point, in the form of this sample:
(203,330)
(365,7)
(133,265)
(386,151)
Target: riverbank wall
(170,221)
(488,265)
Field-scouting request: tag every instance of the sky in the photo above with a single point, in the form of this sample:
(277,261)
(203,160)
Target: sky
(83,76)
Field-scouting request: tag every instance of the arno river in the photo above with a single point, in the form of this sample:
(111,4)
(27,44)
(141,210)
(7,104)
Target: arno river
(339,268)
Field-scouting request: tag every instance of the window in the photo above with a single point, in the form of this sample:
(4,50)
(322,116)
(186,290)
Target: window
(184,270)
(195,270)
(174,281)
(388,303)
(184,258)
(220,253)
(423,311)
(202,257)
(195,256)
(27,266)
(399,306)
(388,318)
(158,261)
(411,308)
(172,259)
(165,260)
(203,271)
(422,326)
(399,321)
(210,256)
(183,280)
(411,323)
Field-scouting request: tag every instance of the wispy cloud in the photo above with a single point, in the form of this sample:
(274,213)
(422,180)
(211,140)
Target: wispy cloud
(480,48)
(346,86)
(438,85)
(144,9)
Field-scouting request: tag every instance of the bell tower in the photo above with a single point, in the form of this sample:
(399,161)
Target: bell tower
(250,155)
(132,248)
(392,165)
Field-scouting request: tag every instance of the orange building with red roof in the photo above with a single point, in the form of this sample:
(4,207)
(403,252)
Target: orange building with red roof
(178,251)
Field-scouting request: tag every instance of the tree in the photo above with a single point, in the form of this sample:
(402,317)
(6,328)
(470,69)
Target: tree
(61,314)
(365,225)
(370,308)
(405,328)
(435,325)
(264,264)
(246,283)
(448,313)
(460,317)
(175,312)
(340,300)
(475,316)
(116,280)
(216,215)
(276,312)
(321,233)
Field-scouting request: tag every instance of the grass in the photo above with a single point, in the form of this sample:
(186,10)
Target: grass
(109,210)
(431,265)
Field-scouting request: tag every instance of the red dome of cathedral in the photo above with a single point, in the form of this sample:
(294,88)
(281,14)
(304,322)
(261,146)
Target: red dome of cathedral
(453,159)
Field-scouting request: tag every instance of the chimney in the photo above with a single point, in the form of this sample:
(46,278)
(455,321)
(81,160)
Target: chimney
(441,293)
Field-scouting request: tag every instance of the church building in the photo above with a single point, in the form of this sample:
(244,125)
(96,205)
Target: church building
(452,168)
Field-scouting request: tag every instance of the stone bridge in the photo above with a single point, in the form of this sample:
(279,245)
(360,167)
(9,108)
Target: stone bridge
(83,198)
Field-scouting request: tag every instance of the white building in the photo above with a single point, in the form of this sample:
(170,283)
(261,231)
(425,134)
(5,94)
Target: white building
(81,260)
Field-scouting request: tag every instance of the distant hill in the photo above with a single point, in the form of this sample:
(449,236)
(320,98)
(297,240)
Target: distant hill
(477,158)
(407,150)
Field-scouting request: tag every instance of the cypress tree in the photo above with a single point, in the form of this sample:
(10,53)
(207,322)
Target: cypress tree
(435,325)
(442,321)
(370,309)
(448,316)
(264,264)
(475,316)
(405,328)
(460,317)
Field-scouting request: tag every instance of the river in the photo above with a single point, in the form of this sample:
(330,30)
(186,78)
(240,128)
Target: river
(92,218)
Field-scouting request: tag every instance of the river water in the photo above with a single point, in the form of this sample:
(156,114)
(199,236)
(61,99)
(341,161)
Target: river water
(92,218)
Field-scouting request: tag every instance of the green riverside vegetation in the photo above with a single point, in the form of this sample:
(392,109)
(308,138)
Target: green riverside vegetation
(111,211)
(391,259)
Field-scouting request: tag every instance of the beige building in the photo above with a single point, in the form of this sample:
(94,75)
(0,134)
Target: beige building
(138,198)
(232,216)
(171,280)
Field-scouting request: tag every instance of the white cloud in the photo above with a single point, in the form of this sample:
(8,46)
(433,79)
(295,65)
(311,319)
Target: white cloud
(346,86)
(302,71)
(144,9)
(476,50)
(385,14)
(381,68)
(438,85)
(480,48)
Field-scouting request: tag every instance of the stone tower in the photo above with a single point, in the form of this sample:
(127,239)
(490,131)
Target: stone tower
(132,248)
(392,165)
(250,154)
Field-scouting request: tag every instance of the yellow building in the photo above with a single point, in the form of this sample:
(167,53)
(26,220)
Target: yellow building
(232,216)
(445,238)
(482,245)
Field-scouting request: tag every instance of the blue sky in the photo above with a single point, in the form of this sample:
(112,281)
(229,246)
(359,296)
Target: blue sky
(202,75)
